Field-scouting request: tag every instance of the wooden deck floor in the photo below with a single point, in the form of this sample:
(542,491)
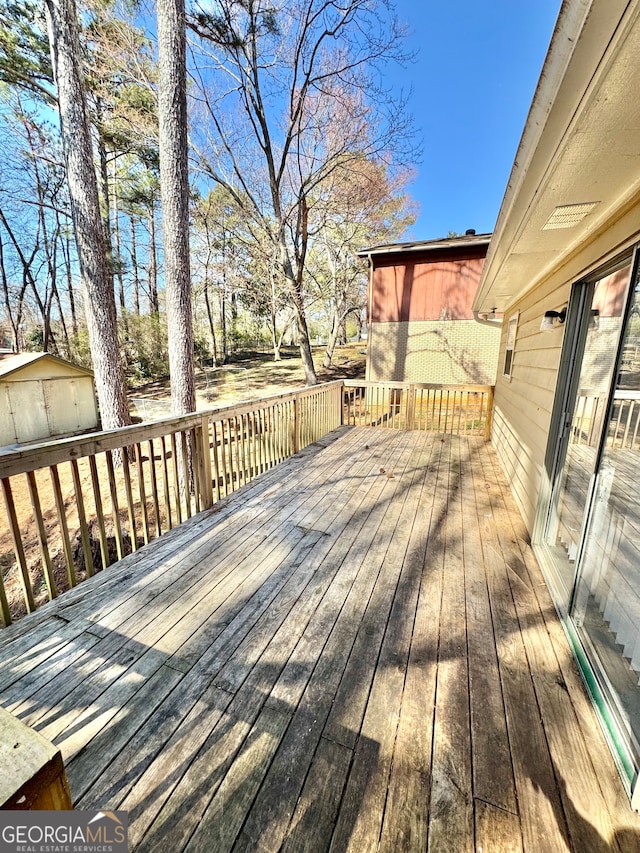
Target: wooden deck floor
(356,652)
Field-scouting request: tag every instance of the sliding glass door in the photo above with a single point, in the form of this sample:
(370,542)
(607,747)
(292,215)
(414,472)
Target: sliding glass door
(591,535)
(592,339)
(606,603)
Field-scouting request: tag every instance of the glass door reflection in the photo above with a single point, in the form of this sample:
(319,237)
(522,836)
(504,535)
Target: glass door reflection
(606,607)
(593,371)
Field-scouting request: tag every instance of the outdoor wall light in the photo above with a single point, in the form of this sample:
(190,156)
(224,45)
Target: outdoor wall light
(553,319)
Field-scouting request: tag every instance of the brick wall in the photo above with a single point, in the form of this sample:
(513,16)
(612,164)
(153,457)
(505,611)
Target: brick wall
(446,352)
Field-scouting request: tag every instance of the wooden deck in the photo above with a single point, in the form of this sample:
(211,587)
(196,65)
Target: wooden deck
(355,652)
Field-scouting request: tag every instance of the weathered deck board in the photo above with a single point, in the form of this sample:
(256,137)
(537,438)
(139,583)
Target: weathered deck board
(354,652)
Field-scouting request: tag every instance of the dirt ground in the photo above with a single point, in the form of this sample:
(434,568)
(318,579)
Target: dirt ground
(246,377)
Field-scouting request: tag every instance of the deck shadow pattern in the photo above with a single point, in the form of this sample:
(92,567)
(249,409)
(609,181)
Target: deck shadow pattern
(355,652)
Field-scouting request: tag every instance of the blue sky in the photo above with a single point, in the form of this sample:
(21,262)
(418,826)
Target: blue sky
(473,80)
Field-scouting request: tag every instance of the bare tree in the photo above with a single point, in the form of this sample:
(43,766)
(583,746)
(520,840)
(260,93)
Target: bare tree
(96,282)
(174,192)
(353,208)
(290,89)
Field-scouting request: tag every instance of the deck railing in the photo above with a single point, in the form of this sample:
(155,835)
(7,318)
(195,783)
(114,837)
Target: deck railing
(459,409)
(75,506)
(624,423)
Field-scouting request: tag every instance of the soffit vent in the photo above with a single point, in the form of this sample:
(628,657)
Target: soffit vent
(568,215)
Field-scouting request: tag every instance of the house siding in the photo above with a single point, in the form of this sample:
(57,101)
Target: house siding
(429,288)
(447,352)
(421,321)
(524,403)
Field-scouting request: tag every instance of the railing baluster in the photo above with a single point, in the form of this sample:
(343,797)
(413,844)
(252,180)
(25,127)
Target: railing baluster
(185,472)
(5,612)
(223,457)
(216,465)
(259,435)
(126,473)
(165,483)
(17,545)
(97,502)
(82,518)
(143,494)
(64,528)
(228,456)
(627,423)
(177,497)
(244,448)
(635,432)
(154,487)
(115,509)
(47,566)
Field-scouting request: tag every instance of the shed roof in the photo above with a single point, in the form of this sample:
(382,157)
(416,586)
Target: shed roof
(439,245)
(12,363)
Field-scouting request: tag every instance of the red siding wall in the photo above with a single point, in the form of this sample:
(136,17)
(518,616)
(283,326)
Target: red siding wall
(431,288)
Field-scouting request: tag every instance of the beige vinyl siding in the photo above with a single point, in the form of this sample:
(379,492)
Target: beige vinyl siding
(524,401)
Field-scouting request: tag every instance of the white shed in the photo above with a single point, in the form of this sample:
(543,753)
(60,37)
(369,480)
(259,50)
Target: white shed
(42,396)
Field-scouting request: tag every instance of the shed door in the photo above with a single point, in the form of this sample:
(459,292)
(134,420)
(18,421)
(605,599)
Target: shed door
(28,407)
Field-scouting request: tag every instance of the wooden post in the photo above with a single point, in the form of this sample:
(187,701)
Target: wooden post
(204,452)
(487,427)
(33,774)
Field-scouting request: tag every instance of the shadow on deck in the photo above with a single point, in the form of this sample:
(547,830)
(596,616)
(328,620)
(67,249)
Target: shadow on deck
(355,652)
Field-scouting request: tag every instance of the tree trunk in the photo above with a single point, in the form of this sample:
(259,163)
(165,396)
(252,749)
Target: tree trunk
(97,286)
(301,321)
(104,189)
(295,285)
(212,330)
(333,338)
(342,337)
(66,251)
(134,268)
(304,343)
(154,305)
(276,340)
(174,192)
(223,324)
(117,260)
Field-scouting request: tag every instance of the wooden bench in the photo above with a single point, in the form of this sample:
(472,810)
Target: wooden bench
(33,775)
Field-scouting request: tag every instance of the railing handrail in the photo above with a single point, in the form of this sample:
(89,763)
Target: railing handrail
(77,447)
(118,489)
(420,386)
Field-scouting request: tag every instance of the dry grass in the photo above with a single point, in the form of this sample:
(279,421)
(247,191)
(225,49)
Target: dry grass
(249,377)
